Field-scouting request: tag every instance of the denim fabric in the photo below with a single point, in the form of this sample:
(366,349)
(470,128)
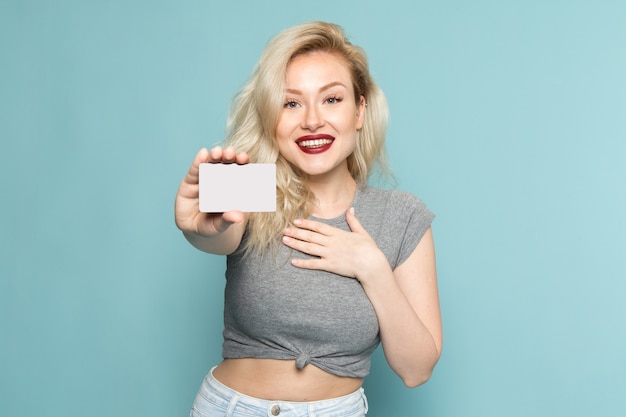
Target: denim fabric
(216,400)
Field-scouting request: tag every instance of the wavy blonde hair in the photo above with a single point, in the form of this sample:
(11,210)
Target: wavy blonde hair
(256,109)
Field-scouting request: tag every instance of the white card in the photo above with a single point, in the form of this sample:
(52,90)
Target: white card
(247,188)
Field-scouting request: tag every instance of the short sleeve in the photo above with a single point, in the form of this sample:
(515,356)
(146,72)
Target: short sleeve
(414,219)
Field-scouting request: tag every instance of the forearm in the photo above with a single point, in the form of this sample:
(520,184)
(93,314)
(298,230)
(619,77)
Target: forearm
(409,346)
(224,243)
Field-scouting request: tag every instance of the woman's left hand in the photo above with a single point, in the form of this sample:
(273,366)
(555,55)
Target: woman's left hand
(349,253)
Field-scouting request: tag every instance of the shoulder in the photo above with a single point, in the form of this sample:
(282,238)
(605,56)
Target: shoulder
(397,201)
(397,220)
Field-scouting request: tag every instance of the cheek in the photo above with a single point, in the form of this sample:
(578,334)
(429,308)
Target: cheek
(283,138)
(346,123)
(284,127)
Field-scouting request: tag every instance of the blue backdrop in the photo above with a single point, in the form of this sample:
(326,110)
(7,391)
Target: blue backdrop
(508,119)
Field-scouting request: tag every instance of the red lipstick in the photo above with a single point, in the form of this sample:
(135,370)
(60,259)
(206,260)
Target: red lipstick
(314,144)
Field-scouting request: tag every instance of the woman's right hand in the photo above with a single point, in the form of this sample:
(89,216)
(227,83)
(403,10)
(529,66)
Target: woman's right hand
(187,214)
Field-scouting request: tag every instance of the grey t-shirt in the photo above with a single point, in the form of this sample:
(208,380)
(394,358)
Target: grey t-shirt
(275,310)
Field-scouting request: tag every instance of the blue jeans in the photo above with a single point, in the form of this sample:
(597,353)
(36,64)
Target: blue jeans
(215,400)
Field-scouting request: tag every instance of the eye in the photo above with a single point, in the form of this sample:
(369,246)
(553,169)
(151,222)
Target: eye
(290,104)
(333,100)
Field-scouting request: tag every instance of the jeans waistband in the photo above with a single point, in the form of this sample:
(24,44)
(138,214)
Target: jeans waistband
(277,407)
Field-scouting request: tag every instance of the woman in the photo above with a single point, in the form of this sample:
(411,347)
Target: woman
(340,266)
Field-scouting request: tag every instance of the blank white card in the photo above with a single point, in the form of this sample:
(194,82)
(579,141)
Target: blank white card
(248,188)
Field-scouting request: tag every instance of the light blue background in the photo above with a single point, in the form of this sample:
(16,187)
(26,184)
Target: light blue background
(508,119)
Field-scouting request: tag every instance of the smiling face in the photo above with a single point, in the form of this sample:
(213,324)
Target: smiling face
(318,124)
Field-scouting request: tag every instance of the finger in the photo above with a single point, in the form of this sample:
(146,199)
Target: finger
(215,154)
(220,221)
(229,155)
(308,263)
(305,235)
(234,216)
(192,175)
(313,226)
(309,248)
(242,158)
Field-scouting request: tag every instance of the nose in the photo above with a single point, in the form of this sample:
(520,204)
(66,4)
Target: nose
(312,119)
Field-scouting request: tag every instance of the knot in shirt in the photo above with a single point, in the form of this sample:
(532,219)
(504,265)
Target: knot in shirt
(302,360)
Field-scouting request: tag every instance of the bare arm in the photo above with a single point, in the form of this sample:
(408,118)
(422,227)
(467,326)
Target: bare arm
(407,304)
(217,233)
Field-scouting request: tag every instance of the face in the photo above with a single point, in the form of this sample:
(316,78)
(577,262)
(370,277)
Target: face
(317,126)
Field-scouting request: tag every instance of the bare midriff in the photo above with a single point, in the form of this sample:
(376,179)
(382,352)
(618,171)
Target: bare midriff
(273,379)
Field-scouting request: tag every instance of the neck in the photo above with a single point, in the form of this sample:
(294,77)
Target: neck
(332,198)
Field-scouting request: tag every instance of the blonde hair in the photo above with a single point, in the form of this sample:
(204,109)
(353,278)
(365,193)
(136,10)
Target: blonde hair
(256,109)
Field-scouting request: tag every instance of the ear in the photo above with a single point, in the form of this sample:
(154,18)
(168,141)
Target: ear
(360,112)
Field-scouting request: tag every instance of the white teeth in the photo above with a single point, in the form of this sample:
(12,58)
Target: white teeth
(314,143)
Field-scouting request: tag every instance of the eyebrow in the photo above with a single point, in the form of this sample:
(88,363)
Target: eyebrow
(323,88)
